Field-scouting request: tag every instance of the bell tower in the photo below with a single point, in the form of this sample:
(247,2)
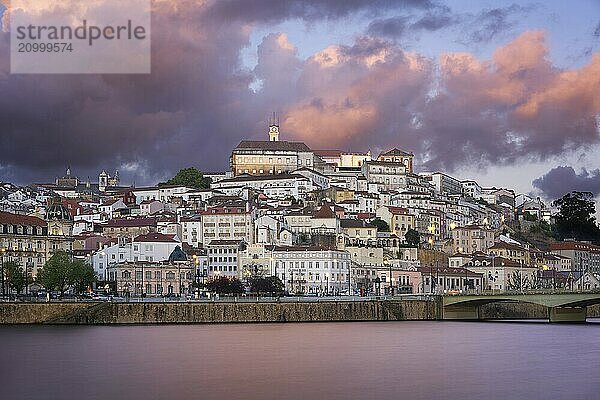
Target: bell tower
(273,133)
(274,129)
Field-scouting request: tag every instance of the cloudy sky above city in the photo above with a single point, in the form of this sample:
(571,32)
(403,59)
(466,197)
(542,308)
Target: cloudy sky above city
(504,92)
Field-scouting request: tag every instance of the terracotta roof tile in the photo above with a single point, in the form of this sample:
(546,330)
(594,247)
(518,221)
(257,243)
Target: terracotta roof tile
(18,219)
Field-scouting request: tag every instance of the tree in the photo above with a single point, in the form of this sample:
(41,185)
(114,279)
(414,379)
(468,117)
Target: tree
(381,225)
(15,276)
(530,217)
(56,272)
(412,237)
(83,276)
(270,284)
(575,218)
(61,272)
(225,285)
(189,177)
(518,281)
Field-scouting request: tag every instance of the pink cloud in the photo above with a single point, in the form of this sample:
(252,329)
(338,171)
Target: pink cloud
(516,105)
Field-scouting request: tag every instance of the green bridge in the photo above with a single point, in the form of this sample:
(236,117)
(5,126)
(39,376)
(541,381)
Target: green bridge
(563,307)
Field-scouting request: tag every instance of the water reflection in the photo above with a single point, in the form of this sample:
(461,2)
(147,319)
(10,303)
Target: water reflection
(408,360)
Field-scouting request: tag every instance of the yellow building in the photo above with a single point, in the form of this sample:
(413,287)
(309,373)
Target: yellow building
(398,219)
(471,238)
(511,251)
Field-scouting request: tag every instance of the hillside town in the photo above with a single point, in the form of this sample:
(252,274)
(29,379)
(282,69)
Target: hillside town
(324,222)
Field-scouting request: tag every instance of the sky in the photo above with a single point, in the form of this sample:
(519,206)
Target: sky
(504,92)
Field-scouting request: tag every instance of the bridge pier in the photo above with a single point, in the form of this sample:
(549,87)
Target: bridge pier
(567,314)
(461,311)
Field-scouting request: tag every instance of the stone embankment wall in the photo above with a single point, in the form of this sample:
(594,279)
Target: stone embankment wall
(222,312)
(218,312)
(524,311)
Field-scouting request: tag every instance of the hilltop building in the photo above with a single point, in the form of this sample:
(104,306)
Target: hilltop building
(273,156)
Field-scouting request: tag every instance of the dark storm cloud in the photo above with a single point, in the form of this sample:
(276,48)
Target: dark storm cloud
(193,108)
(196,105)
(562,179)
(275,10)
(490,23)
(150,124)
(389,27)
(435,21)
(398,26)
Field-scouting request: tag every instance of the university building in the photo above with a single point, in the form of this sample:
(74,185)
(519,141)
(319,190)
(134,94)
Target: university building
(262,157)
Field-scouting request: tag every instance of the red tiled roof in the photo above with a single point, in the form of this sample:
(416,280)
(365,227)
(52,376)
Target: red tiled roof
(397,210)
(572,245)
(471,227)
(109,202)
(302,248)
(355,223)
(395,152)
(225,242)
(324,212)
(130,222)
(18,219)
(328,153)
(270,145)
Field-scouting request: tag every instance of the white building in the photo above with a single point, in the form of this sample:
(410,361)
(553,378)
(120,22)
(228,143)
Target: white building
(471,189)
(228,222)
(149,207)
(152,247)
(387,175)
(319,180)
(312,269)
(223,257)
(444,183)
(274,186)
(163,194)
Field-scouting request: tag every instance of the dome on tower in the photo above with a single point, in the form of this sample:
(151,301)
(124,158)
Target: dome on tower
(58,212)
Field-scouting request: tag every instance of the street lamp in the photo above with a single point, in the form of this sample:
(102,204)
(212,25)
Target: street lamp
(27,264)
(2,251)
(196,274)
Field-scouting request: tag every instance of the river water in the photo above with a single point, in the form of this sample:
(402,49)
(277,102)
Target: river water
(390,360)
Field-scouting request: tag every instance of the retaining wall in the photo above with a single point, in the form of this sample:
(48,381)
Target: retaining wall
(224,312)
